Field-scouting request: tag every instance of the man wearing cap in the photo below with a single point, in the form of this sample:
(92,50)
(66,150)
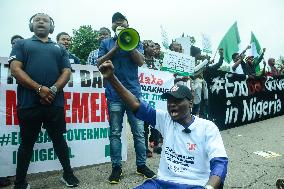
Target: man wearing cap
(126,70)
(193,154)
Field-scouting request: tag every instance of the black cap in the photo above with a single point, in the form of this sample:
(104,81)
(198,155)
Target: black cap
(194,51)
(117,16)
(178,91)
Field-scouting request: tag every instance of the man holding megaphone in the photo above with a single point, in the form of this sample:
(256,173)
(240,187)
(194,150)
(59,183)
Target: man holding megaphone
(126,53)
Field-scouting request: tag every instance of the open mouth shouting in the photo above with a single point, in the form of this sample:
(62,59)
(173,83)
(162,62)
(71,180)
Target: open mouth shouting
(173,112)
(40,28)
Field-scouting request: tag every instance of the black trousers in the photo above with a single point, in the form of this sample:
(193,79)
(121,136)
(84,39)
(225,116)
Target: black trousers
(146,135)
(154,137)
(31,120)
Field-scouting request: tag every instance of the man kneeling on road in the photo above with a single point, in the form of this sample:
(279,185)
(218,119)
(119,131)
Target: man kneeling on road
(193,154)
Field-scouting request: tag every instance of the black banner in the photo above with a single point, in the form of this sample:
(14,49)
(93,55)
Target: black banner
(236,100)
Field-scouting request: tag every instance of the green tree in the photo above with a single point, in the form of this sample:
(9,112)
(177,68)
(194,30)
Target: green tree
(84,40)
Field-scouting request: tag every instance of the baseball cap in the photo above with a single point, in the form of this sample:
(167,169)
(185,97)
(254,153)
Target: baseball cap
(178,91)
(116,16)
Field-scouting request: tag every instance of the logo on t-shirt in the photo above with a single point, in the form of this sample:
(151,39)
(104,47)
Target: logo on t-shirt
(191,147)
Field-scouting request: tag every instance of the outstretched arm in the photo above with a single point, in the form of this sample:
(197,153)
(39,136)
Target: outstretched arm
(107,68)
(220,62)
(263,73)
(238,62)
(107,55)
(259,59)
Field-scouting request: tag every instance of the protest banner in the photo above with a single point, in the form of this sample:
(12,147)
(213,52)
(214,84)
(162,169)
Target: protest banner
(238,99)
(153,84)
(178,63)
(86,117)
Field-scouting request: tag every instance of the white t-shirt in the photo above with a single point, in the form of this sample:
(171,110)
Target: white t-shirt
(185,157)
(197,83)
(239,69)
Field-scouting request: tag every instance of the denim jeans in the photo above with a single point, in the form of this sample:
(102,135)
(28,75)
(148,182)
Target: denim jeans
(116,112)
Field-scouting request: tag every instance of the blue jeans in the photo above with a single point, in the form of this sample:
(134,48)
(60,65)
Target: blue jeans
(116,111)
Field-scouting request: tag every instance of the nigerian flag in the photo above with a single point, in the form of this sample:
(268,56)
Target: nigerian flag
(255,46)
(230,42)
(255,49)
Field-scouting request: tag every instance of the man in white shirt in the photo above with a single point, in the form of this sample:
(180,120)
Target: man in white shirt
(239,66)
(193,155)
(236,66)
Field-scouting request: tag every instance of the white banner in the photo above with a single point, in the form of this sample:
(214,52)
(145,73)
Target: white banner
(178,63)
(87,124)
(86,116)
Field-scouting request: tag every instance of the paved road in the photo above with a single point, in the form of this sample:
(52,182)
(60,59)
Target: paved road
(246,169)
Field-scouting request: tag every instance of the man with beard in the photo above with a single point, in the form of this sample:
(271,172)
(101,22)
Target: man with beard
(42,69)
(193,154)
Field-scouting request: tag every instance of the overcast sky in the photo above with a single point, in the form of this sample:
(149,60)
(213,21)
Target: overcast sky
(212,17)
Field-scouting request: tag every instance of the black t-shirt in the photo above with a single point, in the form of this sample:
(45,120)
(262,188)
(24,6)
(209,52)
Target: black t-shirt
(43,62)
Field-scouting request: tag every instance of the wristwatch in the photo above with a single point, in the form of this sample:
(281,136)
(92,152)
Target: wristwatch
(208,187)
(53,89)
(39,89)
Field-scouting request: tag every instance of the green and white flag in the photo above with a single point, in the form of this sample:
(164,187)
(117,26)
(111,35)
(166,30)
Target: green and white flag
(206,44)
(230,42)
(255,46)
(255,50)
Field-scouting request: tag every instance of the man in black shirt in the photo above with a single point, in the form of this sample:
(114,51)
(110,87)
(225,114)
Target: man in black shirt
(42,69)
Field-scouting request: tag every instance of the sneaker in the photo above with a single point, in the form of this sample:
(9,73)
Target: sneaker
(280,183)
(22,186)
(70,180)
(149,153)
(4,181)
(145,171)
(115,176)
